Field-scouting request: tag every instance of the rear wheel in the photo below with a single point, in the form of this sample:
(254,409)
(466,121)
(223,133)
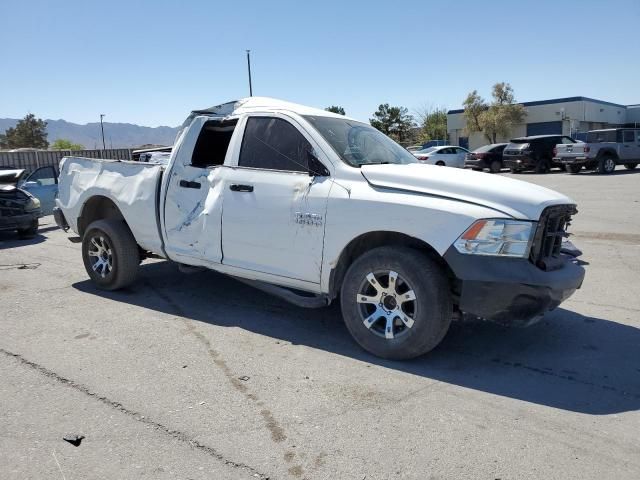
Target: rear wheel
(495,166)
(630,166)
(440,163)
(606,164)
(574,168)
(543,165)
(110,254)
(396,302)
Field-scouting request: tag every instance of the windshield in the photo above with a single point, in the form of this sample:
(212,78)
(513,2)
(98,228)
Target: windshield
(359,144)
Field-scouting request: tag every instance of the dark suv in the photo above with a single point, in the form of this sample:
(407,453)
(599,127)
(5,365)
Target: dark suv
(533,153)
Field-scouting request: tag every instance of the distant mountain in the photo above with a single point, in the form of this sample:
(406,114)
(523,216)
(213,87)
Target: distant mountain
(120,135)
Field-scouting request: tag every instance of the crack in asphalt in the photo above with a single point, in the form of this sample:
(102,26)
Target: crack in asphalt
(175,434)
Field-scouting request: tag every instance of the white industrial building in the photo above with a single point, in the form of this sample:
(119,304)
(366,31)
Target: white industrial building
(572,116)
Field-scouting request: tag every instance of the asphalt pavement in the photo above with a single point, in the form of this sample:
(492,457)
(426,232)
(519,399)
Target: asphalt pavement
(202,377)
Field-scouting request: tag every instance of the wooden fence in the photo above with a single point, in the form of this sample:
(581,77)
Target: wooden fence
(32,160)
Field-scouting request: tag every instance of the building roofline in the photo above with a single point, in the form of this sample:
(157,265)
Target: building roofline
(559,100)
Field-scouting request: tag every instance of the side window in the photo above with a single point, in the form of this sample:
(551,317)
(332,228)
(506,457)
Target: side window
(44,176)
(212,144)
(628,136)
(274,144)
(567,140)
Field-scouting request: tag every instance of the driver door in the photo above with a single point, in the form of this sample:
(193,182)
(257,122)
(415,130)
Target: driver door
(42,183)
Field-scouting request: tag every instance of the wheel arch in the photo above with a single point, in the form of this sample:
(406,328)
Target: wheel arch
(370,240)
(98,207)
(608,151)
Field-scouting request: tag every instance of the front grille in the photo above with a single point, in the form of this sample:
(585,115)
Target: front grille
(547,242)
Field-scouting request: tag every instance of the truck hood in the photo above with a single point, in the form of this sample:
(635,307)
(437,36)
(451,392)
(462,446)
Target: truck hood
(515,198)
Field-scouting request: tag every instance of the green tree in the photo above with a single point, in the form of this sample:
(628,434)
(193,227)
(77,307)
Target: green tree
(335,109)
(64,144)
(494,119)
(433,123)
(393,121)
(3,141)
(30,132)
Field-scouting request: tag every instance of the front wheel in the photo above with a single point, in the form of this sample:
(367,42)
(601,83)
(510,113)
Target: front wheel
(630,166)
(110,254)
(396,302)
(30,232)
(495,166)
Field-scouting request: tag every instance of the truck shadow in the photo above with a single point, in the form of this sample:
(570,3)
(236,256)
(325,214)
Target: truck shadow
(568,361)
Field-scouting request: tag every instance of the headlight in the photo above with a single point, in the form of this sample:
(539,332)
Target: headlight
(509,238)
(32,204)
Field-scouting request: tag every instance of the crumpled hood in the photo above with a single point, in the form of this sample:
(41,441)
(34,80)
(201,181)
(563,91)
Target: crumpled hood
(516,198)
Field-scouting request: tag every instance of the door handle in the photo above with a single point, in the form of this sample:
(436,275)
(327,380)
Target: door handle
(240,188)
(188,184)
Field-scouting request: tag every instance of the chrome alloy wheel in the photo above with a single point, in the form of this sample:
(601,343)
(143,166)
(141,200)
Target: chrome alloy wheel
(387,311)
(609,165)
(101,256)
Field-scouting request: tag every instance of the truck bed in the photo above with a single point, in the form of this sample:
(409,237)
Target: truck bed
(132,186)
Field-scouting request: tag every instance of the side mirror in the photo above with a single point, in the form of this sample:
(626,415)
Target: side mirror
(315,167)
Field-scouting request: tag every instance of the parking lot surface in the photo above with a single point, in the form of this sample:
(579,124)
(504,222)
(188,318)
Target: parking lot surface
(201,377)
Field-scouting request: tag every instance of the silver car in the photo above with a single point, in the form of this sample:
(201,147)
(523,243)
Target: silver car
(446,156)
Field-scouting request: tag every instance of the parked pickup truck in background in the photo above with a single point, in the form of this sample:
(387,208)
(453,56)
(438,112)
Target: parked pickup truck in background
(314,206)
(603,150)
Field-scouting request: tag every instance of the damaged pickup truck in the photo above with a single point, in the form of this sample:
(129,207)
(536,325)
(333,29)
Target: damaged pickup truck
(314,206)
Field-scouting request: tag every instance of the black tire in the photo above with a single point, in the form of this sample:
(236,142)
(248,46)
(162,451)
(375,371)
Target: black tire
(514,170)
(115,238)
(543,165)
(606,164)
(440,163)
(630,166)
(429,312)
(574,168)
(30,232)
(495,166)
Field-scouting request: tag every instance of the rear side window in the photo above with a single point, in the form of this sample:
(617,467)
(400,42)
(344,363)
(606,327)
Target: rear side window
(600,137)
(212,144)
(628,136)
(274,144)
(567,140)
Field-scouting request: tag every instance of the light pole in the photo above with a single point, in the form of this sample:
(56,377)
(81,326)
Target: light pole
(102,115)
(249,69)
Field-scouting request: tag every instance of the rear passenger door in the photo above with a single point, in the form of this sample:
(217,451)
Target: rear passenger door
(274,210)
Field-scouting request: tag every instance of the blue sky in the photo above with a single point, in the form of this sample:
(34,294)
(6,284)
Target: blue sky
(151,62)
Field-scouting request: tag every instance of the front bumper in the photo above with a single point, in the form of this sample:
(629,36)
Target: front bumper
(19,222)
(511,290)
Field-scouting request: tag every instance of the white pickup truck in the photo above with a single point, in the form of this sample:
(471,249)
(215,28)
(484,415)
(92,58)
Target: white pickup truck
(314,206)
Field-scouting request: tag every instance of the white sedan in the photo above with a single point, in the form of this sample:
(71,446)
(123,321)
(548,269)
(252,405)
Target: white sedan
(447,155)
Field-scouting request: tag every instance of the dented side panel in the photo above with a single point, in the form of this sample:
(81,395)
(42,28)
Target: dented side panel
(278,228)
(132,186)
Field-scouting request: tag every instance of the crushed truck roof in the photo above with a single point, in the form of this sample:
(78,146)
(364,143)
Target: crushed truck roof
(264,104)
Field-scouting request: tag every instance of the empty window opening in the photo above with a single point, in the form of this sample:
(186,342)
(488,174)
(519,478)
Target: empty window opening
(213,142)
